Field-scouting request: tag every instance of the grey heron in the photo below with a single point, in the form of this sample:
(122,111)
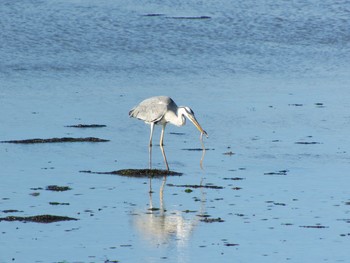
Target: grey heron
(161,110)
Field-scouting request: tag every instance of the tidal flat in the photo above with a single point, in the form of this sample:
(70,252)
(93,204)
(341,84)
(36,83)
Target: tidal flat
(269,82)
(294,196)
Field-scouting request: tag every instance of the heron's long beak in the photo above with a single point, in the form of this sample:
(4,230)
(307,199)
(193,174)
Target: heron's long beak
(195,123)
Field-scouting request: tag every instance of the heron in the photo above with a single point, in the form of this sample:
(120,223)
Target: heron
(161,110)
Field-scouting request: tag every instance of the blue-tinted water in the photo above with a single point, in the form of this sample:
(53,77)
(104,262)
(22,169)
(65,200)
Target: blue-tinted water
(117,38)
(261,76)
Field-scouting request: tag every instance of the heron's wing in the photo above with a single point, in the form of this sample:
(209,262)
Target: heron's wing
(152,109)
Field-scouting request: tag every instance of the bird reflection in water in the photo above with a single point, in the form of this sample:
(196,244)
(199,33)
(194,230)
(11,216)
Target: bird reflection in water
(159,226)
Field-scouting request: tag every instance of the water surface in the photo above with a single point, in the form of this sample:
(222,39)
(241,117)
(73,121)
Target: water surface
(267,81)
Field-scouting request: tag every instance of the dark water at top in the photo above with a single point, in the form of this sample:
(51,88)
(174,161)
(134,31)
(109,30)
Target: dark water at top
(126,38)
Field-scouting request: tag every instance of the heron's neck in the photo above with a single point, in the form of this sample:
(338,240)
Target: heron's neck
(180,117)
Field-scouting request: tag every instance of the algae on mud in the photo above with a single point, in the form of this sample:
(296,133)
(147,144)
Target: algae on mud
(281,172)
(83,126)
(38,219)
(197,149)
(56,140)
(57,188)
(140,173)
(207,186)
(208,219)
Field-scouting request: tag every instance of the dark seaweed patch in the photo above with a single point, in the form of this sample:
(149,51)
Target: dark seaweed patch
(86,126)
(11,211)
(177,133)
(240,215)
(139,173)
(281,172)
(196,149)
(38,219)
(212,220)
(319,105)
(190,17)
(58,203)
(56,140)
(307,143)
(57,188)
(208,186)
(231,244)
(153,209)
(189,211)
(281,204)
(316,226)
(153,14)
(233,178)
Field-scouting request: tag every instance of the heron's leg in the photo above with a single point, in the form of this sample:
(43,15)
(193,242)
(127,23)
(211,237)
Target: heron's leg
(151,135)
(150,146)
(150,156)
(164,157)
(162,135)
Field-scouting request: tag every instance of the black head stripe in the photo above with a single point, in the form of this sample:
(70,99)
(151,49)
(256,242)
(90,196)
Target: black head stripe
(189,110)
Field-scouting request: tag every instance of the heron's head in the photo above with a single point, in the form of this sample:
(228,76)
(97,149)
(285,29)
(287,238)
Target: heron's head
(189,114)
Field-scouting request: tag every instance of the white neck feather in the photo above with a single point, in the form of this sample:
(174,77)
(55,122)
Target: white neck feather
(181,120)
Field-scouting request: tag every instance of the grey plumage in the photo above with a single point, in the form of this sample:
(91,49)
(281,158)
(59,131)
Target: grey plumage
(153,109)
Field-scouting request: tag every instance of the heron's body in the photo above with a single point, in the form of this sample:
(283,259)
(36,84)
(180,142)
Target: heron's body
(158,110)
(161,110)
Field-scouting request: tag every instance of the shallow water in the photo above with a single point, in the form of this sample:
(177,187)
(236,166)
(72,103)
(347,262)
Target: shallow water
(261,79)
